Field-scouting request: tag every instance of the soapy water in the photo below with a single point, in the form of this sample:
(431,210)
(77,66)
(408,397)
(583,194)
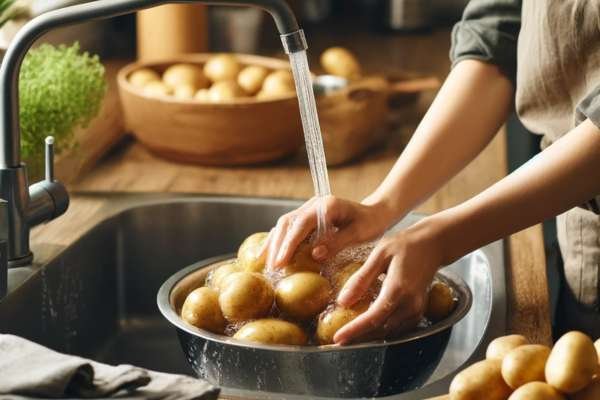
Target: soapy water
(312,135)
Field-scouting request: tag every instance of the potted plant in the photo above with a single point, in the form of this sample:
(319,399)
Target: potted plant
(61,89)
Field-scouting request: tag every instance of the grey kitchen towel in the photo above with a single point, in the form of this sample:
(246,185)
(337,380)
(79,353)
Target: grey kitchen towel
(33,371)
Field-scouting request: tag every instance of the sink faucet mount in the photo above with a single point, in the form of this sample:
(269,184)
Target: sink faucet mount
(22,206)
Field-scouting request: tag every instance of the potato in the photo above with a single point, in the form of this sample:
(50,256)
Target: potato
(590,392)
(302,295)
(597,346)
(225,92)
(277,84)
(525,364)
(184,92)
(251,78)
(341,62)
(218,276)
(536,391)
(277,78)
(482,380)
(500,347)
(222,67)
(201,309)
(341,276)
(202,95)
(249,257)
(156,89)
(302,261)
(185,74)
(143,76)
(331,320)
(440,302)
(573,363)
(272,331)
(245,295)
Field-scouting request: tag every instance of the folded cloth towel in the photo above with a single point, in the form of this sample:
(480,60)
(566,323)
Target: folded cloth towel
(28,369)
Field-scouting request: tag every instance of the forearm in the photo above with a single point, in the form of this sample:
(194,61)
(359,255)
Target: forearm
(563,176)
(471,106)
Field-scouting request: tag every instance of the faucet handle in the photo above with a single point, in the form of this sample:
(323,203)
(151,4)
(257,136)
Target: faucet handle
(49,147)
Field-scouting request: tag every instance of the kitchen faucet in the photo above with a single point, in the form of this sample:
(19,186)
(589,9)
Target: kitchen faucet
(22,206)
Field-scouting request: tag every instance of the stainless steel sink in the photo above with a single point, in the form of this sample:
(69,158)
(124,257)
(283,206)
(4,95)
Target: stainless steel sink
(97,297)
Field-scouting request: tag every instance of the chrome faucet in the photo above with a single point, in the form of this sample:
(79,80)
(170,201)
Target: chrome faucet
(22,206)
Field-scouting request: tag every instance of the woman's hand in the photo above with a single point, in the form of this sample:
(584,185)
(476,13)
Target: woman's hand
(354,223)
(410,260)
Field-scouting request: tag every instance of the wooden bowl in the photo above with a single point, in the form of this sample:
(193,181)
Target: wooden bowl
(245,131)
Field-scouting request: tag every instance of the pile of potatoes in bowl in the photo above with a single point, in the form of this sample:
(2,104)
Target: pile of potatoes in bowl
(222,79)
(514,369)
(294,305)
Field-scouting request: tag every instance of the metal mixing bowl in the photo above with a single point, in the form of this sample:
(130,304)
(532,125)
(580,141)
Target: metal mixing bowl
(361,370)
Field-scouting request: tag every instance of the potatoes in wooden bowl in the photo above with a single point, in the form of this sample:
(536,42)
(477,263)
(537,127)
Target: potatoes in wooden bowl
(205,108)
(292,305)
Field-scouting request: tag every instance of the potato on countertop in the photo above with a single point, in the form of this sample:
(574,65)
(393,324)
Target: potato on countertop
(536,391)
(573,363)
(482,380)
(525,364)
(500,347)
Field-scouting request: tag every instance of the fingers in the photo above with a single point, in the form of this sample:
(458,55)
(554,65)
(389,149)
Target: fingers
(360,282)
(278,234)
(375,317)
(276,238)
(334,242)
(401,321)
(264,249)
(301,226)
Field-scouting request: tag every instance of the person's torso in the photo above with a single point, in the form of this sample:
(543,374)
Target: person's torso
(558,63)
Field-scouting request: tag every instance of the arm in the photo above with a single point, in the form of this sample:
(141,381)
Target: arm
(474,101)
(467,113)
(563,176)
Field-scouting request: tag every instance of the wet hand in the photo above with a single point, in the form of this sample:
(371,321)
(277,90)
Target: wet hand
(410,260)
(353,223)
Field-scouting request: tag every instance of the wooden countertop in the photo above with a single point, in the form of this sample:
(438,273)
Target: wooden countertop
(132,168)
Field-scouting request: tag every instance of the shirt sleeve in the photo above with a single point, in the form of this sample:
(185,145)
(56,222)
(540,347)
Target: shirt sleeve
(488,31)
(589,107)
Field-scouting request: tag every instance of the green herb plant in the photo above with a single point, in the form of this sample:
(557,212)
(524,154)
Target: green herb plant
(60,89)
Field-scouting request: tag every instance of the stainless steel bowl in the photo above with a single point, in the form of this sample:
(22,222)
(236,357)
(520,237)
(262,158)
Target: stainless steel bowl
(362,370)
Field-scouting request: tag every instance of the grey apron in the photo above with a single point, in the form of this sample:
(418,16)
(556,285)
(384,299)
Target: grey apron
(558,75)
